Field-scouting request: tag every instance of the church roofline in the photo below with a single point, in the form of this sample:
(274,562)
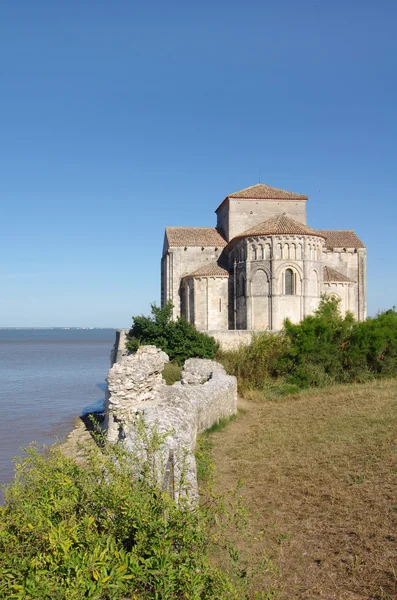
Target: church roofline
(278,225)
(341,238)
(194,236)
(260,191)
(334,276)
(209,270)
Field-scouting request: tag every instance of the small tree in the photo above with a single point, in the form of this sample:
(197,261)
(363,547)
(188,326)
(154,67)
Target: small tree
(179,339)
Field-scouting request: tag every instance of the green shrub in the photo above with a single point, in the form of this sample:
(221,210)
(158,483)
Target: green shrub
(102,532)
(171,373)
(254,364)
(323,349)
(179,339)
(372,346)
(314,356)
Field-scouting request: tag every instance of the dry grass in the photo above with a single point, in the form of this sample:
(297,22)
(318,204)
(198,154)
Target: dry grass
(319,474)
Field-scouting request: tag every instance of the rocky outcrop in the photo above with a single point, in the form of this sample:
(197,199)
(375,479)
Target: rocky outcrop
(137,395)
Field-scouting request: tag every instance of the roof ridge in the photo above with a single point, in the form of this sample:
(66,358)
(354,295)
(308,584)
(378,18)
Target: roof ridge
(189,227)
(279,224)
(211,269)
(352,230)
(194,236)
(341,238)
(335,275)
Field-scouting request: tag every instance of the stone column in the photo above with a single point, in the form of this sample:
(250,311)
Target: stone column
(305,277)
(361,280)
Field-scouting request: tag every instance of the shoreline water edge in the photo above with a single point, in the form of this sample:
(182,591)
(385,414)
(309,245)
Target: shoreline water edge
(50,377)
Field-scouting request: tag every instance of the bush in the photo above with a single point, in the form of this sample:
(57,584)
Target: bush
(179,339)
(328,348)
(314,356)
(254,365)
(372,346)
(101,532)
(323,349)
(171,373)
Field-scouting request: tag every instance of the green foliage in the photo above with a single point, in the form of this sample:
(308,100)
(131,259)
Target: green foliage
(254,365)
(328,348)
(179,339)
(323,349)
(372,346)
(314,355)
(102,532)
(171,373)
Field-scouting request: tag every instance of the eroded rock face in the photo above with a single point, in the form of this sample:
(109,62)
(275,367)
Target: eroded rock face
(135,379)
(199,370)
(138,395)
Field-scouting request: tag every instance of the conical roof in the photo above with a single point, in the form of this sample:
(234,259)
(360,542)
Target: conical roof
(279,225)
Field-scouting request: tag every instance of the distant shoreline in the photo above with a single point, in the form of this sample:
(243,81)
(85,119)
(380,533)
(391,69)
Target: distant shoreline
(56,328)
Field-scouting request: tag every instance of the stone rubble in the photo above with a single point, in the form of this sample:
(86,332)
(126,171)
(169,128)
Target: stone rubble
(137,393)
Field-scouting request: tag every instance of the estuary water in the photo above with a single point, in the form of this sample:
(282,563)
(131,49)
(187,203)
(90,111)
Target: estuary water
(48,377)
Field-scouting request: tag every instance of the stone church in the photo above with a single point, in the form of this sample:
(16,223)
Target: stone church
(261,264)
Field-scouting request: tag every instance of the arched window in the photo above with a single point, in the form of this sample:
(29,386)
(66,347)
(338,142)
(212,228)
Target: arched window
(261,255)
(289,282)
(254,253)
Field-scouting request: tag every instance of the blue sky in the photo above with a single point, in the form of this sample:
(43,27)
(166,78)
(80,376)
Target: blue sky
(119,118)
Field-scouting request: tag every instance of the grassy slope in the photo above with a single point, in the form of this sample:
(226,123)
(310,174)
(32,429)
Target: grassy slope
(320,479)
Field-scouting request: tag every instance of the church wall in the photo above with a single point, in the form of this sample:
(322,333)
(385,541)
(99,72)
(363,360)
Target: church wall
(244,214)
(222,220)
(218,303)
(241,286)
(343,291)
(260,294)
(200,303)
(178,262)
(210,302)
(352,263)
(267,302)
(286,307)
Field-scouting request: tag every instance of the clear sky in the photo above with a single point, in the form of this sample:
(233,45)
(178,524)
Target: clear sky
(119,118)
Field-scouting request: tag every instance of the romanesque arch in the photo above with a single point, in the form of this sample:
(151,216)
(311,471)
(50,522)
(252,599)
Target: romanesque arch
(260,293)
(241,302)
(289,275)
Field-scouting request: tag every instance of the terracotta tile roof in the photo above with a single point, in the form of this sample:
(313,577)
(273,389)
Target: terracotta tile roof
(194,236)
(345,238)
(263,192)
(210,270)
(334,276)
(279,225)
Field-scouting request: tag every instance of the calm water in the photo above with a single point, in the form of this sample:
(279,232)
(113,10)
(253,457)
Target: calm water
(47,378)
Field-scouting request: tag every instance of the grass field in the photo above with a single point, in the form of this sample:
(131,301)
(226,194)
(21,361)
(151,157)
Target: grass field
(319,473)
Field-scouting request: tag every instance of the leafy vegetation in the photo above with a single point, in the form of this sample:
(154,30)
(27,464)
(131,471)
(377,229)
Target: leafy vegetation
(323,349)
(171,373)
(179,339)
(255,365)
(105,531)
